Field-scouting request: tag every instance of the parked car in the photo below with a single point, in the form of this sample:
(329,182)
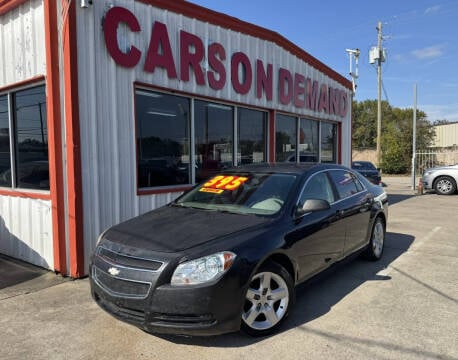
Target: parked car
(368,170)
(228,254)
(442,179)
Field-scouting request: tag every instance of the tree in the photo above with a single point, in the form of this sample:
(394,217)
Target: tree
(441,122)
(396,133)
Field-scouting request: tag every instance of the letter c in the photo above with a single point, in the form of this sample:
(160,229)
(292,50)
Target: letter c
(113,17)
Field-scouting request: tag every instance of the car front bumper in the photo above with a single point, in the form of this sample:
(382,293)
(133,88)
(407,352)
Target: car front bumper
(158,307)
(427,181)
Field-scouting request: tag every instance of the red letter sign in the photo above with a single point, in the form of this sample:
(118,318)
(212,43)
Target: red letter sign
(113,17)
(264,80)
(285,80)
(241,87)
(217,65)
(160,39)
(189,59)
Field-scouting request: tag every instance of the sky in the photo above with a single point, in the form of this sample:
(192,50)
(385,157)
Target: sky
(420,38)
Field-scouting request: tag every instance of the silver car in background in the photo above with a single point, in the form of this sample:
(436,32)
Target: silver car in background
(442,179)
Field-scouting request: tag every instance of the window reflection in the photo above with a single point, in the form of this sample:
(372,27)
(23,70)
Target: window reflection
(251,136)
(308,141)
(328,142)
(285,138)
(162,139)
(32,138)
(214,141)
(5,156)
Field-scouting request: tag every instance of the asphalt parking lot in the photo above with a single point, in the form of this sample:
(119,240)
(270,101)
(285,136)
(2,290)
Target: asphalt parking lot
(402,307)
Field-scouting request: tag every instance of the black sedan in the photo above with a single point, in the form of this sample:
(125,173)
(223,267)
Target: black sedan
(228,254)
(368,170)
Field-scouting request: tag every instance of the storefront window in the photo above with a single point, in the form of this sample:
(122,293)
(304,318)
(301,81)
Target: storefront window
(285,138)
(5,155)
(163,139)
(328,142)
(213,125)
(251,136)
(31,138)
(308,141)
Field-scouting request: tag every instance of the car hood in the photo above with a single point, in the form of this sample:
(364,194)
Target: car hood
(449,167)
(174,229)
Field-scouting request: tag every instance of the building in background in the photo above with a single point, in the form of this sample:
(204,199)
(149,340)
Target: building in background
(111,109)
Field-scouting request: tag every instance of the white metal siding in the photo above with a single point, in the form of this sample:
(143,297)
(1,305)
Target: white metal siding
(25,224)
(26,230)
(22,43)
(107,110)
(446,135)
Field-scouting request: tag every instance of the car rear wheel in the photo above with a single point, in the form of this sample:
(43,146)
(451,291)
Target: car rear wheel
(444,185)
(375,248)
(268,300)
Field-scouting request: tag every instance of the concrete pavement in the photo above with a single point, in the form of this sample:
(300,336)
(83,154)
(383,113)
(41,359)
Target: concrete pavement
(402,307)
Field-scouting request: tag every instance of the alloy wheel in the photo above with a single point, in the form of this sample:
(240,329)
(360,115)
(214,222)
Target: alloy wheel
(266,301)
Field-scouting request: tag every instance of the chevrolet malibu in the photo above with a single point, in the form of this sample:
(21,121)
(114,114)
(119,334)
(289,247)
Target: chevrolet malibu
(227,254)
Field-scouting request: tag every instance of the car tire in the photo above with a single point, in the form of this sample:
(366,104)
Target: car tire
(376,244)
(444,185)
(268,299)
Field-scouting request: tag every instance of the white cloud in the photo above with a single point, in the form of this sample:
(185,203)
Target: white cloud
(429,52)
(439,112)
(432,9)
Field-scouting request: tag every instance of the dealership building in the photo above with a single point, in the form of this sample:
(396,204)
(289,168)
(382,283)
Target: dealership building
(109,109)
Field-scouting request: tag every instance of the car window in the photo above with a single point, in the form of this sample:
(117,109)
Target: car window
(242,193)
(317,187)
(346,183)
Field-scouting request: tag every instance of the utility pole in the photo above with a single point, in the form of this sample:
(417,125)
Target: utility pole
(379,92)
(414,135)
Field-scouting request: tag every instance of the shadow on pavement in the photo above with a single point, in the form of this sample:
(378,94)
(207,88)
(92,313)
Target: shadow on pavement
(14,272)
(317,296)
(18,277)
(396,198)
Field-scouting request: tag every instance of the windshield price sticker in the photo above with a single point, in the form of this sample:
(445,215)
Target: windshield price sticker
(222,182)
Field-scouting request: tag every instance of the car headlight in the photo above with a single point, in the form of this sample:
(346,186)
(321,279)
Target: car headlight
(204,269)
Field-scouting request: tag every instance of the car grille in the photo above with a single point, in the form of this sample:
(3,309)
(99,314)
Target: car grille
(183,320)
(123,275)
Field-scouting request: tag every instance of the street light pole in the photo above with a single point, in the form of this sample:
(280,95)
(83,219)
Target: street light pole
(379,93)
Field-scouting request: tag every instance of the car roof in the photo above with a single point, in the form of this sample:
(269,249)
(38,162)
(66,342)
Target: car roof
(362,162)
(286,168)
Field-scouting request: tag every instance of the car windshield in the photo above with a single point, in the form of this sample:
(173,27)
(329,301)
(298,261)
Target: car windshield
(241,193)
(361,165)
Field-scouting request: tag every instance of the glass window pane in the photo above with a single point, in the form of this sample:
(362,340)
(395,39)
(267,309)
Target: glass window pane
(285,138)
(214,140)
(5,156)
(318,187)
(32,139)
(162,139)
(308,141)
(344,182)
(328,142)
(251,136)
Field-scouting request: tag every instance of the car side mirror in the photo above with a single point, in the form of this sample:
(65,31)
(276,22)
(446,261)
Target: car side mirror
(312,205)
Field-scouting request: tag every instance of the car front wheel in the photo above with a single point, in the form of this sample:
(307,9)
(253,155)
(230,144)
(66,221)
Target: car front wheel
(268,299)
(444,185)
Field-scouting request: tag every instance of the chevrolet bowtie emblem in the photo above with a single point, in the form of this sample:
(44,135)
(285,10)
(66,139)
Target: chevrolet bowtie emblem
(113,271)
